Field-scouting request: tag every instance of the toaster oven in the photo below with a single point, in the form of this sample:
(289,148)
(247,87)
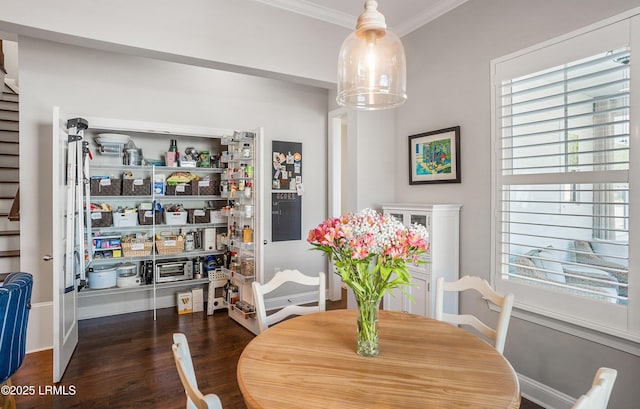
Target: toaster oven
(174,270)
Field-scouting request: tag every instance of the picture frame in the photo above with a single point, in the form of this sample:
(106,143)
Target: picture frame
(434,157)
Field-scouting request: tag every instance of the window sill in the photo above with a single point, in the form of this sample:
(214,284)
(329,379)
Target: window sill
(621,341)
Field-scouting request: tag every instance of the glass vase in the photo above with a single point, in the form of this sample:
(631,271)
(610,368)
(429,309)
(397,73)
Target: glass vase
(368,328)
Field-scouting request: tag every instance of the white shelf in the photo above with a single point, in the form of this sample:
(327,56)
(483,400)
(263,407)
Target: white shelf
(88,292)
(186,254)
(249,323)
(183,283)
(161,198)
(156,168)
(238,276)
(164,198)
(147,227)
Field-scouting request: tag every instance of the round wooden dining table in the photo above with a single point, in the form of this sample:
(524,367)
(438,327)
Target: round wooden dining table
(311,362)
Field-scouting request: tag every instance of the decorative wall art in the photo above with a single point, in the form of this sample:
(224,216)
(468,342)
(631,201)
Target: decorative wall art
(434,157)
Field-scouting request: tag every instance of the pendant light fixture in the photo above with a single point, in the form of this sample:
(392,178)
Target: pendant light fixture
(372,72)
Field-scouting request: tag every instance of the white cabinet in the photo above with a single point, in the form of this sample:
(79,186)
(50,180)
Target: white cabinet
(442,260)
(182,240)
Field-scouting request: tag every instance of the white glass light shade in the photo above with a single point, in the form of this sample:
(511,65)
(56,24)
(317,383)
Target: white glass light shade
(372,72)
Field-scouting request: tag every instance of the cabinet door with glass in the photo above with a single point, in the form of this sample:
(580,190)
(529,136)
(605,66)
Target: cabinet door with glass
(442,224)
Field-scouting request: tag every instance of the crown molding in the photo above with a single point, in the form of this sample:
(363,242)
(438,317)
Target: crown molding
(433,12)
(315,11)
(345,20)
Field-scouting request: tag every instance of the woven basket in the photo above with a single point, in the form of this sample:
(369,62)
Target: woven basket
(182,189)
(170,246)
(101,219)
(105,187)
(137,249)
(198,216)
(206,187)
(145,217)
(136,187)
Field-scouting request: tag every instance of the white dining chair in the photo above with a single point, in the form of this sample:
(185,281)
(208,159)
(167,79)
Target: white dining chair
(182,356)
(498,335)
(598,396)
(282,277)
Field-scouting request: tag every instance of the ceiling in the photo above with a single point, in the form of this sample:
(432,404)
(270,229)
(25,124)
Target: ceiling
(403,16)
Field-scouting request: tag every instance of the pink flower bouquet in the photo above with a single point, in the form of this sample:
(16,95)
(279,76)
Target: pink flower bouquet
(370,252)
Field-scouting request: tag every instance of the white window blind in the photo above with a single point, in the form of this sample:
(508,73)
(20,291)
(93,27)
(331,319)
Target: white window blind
(561,178)
(566,124)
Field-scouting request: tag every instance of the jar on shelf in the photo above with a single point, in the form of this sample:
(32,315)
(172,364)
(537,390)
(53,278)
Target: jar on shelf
(247,266)
(247,234)
(246,150)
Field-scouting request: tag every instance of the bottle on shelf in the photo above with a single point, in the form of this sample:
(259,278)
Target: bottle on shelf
(227,291)
(172,154)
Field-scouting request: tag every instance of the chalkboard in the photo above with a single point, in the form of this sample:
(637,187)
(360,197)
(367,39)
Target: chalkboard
(286,216)
(286,186)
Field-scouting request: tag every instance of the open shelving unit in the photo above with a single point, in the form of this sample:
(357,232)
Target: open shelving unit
(116,300)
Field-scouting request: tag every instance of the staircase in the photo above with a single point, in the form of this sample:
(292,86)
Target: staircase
(9,182)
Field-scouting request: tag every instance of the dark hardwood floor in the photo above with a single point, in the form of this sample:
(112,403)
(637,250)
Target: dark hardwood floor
(125,361)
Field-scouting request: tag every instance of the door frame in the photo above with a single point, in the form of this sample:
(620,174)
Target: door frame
(334,187)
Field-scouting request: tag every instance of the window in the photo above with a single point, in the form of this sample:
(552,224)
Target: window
(562,179)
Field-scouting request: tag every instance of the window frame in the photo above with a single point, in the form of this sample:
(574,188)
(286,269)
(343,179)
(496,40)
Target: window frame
(582,317)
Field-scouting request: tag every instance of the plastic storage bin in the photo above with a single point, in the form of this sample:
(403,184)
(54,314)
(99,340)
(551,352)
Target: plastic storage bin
(175,217)
(125,219)
(105,277)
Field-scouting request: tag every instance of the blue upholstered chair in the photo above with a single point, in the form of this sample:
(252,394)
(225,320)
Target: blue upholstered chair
(15,303)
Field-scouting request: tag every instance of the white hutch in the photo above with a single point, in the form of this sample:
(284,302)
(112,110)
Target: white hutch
(443,259)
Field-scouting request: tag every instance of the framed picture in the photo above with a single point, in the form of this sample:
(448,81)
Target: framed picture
(434,157)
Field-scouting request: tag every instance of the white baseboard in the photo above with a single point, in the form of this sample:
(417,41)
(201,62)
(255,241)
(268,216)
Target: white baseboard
(543,395)
(40,327)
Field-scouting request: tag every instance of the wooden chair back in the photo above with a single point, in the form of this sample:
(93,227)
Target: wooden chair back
(282,277)
(184,364)
(598,396)
(498,335)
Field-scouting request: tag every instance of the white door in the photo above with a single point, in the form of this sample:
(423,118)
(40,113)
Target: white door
(65,321)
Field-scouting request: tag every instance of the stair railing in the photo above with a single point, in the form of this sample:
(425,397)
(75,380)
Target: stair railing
(14,213)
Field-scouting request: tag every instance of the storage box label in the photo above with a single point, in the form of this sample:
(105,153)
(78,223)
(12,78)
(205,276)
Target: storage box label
(138,182)
(96,215)
(198,212)
(105,182)
(180,188)
(170,243)
(137,246)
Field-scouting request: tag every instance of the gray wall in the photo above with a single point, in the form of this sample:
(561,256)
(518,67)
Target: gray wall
(448,85)
(95,83)
(240,35)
